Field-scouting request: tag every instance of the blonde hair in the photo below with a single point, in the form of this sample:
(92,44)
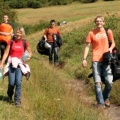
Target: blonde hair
(22,30)
(101,17)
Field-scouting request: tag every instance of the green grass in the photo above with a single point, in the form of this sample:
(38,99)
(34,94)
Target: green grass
(47,96)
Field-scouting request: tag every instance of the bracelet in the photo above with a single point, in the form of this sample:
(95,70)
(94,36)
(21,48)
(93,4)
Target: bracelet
(83,59)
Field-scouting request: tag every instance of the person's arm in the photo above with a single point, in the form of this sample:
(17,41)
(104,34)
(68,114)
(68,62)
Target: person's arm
(5,56)
(86,51)
(111,38)
(8,33)
(45,34)
(45,37)
(112,46)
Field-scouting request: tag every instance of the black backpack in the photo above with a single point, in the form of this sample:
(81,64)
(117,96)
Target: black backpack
(40,47)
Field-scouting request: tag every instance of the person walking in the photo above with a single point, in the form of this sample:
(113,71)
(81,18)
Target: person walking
(99,41)
(6,33)
(16,65)
(50,35)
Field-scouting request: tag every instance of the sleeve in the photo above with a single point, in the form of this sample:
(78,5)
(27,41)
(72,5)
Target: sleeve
(46,31)
(110,35)
(27,44)
(9,42)
(89,37)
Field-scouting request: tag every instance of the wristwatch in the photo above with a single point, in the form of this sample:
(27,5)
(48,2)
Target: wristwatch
(83,59)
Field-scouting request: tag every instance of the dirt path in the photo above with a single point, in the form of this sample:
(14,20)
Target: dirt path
(79,86)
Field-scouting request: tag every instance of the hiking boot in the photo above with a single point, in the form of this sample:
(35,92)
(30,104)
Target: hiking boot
(56,64)
(99,106)
(17,104)
(50,62)
(107,103)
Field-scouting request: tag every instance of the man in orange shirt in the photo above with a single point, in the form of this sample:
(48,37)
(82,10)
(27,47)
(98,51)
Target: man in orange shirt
(99,41)
(6,32)
(50,36)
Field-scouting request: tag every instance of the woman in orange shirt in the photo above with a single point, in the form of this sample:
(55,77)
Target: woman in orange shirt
(99,41)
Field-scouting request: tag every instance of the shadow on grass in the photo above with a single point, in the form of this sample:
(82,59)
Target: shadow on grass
(4,98)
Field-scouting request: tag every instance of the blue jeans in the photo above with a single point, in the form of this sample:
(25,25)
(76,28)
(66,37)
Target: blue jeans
(102,69)
(15,81)
(53,50)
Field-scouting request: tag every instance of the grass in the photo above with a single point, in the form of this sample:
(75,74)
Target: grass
(69,13)
(44,96)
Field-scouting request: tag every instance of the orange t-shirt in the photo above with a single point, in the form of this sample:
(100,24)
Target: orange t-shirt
(99,41)
(4,27)
(49,33)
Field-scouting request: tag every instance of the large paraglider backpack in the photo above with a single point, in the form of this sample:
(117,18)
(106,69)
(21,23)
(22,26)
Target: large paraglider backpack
(41,47)
(57,40)
(112,59)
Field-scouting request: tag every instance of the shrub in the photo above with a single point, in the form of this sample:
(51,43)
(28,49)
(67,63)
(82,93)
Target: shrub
(37,27)
(108,0)
(88,1)
(33,4)
(17,4)
(60,2)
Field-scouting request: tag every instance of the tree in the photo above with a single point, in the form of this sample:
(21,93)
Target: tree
(5,10)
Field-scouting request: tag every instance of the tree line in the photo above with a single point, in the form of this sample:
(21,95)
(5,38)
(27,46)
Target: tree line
(42,3)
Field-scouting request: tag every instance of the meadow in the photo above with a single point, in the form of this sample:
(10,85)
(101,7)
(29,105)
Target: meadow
(49,93)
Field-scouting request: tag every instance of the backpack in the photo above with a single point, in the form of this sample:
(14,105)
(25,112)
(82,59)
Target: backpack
(41,47)
(114,61)
(57,40)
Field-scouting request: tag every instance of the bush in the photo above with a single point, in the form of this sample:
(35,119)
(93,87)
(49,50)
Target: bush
(17,4)
(37,27)
(88,1)
(60,2)
(33,4)
(108,0)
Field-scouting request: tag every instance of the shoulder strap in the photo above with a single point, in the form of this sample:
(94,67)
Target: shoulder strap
(106,30)
(24,44)
(11,44)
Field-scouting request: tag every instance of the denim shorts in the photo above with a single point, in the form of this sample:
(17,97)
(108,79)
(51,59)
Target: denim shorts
(101,69)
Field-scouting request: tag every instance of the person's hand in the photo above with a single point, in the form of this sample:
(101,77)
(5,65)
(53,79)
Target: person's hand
(6,34)
(84,63)
(1,66)
(46,39)
(110,50)
(27,59)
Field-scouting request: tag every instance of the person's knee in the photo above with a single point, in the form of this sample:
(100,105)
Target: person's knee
(98,84)
(98,87)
